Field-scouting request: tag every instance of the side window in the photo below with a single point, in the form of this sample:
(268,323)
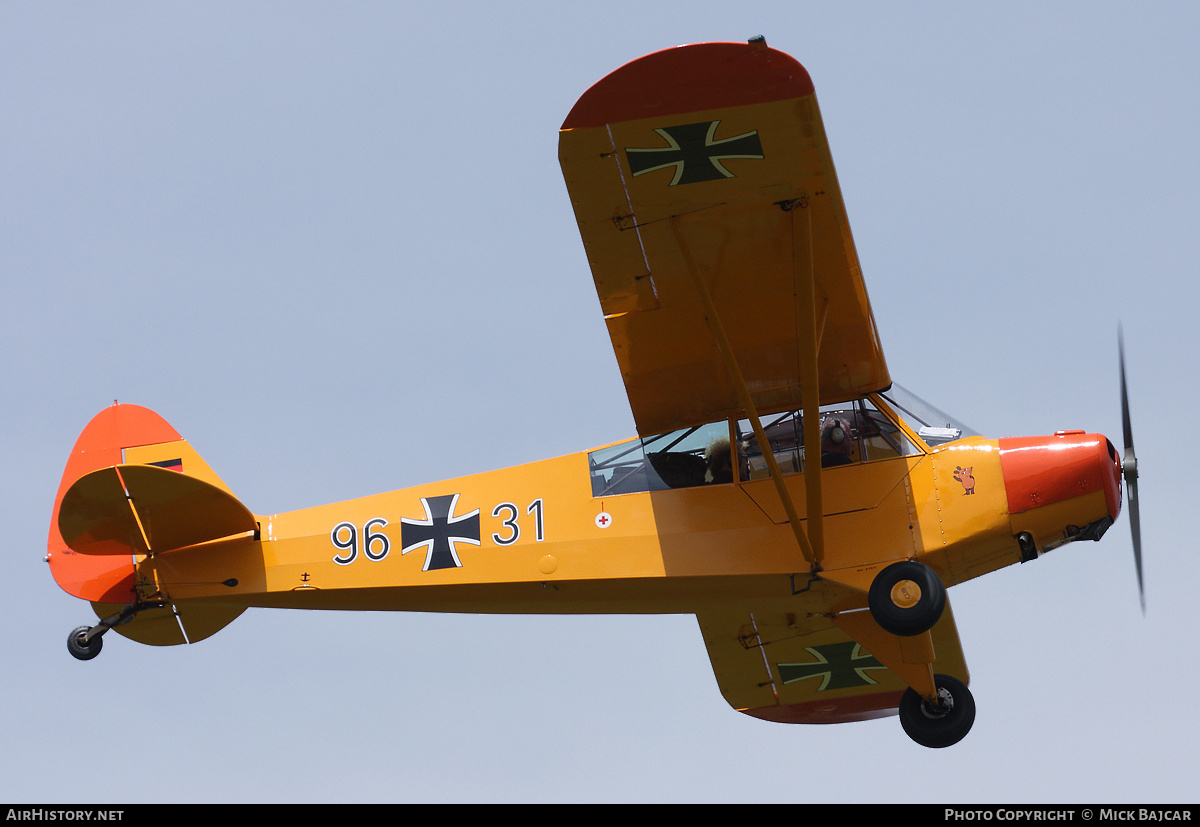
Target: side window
(851,432)
(785,436)
(679,459)
(881,438)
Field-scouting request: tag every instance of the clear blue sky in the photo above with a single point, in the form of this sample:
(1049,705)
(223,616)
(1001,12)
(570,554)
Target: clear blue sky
(332,246)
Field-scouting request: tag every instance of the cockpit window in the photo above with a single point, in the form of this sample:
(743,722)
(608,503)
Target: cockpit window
(930,424)
(851,432)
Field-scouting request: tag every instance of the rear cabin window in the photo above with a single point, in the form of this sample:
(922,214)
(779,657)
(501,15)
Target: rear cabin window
(679,459)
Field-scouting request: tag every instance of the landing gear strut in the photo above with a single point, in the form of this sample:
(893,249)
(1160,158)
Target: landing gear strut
(85,642)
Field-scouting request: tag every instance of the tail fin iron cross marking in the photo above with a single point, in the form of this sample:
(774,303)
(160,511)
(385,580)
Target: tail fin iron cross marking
(695,153)
(439,531)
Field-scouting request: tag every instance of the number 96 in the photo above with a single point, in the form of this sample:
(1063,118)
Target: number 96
(375,545)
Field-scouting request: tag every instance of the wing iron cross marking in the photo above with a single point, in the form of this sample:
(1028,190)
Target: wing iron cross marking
(838,665)
(439,531)
(695,153)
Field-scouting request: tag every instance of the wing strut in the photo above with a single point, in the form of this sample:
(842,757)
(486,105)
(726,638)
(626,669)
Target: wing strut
(813,551)
(806,358)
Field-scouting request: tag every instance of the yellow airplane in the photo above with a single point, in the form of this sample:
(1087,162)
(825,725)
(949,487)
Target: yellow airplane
(715,229)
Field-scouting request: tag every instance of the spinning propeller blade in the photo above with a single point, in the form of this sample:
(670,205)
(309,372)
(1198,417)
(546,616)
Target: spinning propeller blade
(1129,471)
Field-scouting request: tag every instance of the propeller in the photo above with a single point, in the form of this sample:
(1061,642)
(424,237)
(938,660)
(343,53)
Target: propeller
(1129,472)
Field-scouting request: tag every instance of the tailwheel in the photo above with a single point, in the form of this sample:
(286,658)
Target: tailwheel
(940,724)
(907,598)
(83,648)
(85,642)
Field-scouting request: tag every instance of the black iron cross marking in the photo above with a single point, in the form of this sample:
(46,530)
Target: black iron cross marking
(695,153)
(838,665)
(439,531)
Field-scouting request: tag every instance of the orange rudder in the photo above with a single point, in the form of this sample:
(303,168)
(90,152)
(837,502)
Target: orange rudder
(103,443)
(118,442)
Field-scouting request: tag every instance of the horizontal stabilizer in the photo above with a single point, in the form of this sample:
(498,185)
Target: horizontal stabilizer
(144,509)
(173,624)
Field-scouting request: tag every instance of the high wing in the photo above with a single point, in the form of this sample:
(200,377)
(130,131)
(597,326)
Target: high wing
(798,670)
(706,196)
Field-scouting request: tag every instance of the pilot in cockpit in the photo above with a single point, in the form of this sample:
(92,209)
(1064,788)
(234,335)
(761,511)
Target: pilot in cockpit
(719,462)
(836,443)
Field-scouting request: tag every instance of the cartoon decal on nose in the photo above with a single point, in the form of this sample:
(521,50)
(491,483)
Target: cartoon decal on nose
(966,477)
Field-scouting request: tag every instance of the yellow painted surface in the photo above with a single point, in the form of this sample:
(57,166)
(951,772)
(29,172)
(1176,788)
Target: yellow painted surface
(643,551)
(723,297)
(961,513)
(1046,523)
(639,233)
(190,462)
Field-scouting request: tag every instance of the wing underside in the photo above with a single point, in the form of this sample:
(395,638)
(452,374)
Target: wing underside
(778,667)
(703,185)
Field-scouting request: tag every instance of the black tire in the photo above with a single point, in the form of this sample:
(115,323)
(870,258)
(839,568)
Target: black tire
(907,598)
(81,650)
(941,726)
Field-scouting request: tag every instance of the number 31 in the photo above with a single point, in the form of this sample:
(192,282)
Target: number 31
(510,522)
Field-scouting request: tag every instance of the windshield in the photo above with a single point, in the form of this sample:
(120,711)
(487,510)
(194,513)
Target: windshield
(932,425)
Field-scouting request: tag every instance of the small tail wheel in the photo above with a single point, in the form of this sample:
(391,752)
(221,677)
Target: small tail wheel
(907,598)
(942,724)
(81,649)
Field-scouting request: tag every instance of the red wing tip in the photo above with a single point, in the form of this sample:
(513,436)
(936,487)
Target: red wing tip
(837,711)
(689,79)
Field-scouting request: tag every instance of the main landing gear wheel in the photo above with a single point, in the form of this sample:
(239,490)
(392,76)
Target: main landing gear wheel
(907,598)
(80,647)
(942,724)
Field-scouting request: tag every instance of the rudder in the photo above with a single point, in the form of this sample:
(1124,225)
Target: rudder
(130,435)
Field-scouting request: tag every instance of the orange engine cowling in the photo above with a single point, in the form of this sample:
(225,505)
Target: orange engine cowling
(1061,488)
